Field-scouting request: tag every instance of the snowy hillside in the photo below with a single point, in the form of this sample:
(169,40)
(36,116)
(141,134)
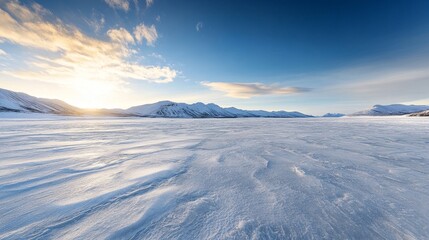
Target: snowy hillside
(180,110)
(253,178)
(393,109)
(170,109)
(278,114)
(333,115)
(421,114)
(20,102)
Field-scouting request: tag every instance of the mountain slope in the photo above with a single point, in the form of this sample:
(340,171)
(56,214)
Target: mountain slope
(420,114)
(278,114)
(333,115)
(180,110)
(390,110)
(170,109)
(20,102)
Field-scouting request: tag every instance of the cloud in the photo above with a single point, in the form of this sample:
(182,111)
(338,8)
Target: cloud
(120,35)
(424,101)
(379,84)
(2,53)
(157,56)
(149,3)
(136,5)
(96,22)
(143,32)
(199,26)
(248,90)
(367,80)
(119,4)
(65,55)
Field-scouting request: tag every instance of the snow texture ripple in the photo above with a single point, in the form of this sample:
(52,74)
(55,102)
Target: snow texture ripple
(116,178)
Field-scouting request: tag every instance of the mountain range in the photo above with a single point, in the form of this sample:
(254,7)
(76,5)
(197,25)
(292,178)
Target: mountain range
(20,102)
(333,115)
(11,101)
(392,110)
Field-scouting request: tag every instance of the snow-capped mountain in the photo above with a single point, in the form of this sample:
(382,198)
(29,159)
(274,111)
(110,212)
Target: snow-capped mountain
(180,110)
(20,102)
(333,115)
(390,110)
(420,114)
(170,109)
(278,114)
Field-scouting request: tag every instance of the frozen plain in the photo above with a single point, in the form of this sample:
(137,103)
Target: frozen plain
(117,178)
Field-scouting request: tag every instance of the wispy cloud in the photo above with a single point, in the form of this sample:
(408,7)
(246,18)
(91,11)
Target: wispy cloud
(119,4)
(382,85)
(368,80)
(136,5)
(199,26)
(2,53)
(157,56)
(143,32)
(149,3)
(248,90)
(96,22)
(120,35)
(424,101)
(65,55)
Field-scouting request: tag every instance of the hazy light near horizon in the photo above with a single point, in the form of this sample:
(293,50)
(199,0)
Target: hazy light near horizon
(70,59)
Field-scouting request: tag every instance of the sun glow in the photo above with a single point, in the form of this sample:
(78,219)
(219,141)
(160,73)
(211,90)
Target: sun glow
(92,94)
(87,71)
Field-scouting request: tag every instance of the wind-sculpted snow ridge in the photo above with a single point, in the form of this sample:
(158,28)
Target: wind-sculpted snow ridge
(390,110)
(316,178)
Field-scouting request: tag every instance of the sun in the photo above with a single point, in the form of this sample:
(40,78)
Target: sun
(92,93)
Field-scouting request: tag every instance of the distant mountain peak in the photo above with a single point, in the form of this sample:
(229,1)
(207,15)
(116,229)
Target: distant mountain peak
(202,110)
(334,115)
(391,110)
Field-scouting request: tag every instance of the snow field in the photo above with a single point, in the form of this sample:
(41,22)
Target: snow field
(325,178)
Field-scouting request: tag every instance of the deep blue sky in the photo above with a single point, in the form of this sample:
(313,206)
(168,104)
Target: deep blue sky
(337,56)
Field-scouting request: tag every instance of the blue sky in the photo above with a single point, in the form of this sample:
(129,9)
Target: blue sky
(311,56)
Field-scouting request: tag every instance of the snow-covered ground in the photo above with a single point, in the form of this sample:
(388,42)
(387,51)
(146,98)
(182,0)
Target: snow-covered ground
(119,178)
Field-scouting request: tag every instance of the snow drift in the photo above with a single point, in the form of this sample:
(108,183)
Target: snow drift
(141,178)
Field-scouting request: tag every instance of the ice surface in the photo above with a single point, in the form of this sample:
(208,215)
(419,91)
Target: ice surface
(117,178)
